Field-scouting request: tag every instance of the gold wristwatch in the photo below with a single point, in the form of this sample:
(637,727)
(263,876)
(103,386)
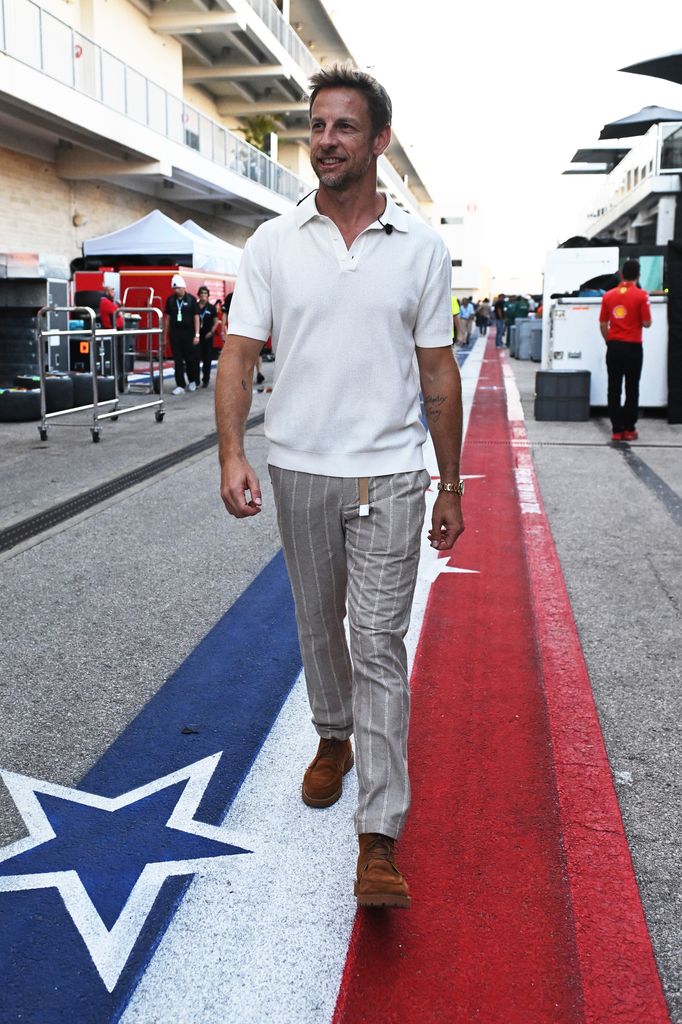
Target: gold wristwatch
(457,488)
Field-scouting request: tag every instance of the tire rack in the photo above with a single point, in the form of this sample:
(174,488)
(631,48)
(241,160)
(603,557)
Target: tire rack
(93,333)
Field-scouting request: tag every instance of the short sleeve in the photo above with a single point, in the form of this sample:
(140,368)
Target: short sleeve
(604,312)
(433,326)
(251,308)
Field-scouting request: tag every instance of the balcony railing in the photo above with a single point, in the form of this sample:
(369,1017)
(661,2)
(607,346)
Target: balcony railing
(270,14)
(35,37)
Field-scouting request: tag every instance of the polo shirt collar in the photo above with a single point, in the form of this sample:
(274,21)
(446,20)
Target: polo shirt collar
(393,215)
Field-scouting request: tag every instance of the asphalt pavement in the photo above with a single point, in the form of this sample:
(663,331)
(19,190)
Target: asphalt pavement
(99,611)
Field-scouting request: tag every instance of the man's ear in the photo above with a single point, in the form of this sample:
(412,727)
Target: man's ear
(381,141)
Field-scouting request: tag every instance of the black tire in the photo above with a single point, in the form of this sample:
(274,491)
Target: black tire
(158,416)
(19,406)
(58,393)
(95,435)
(17,356)
(82,388)
(43,433)
(89,298)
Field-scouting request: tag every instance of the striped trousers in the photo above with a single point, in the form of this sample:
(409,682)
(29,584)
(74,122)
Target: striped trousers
(363,567)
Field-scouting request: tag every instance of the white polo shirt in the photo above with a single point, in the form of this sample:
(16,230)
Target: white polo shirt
(344,325)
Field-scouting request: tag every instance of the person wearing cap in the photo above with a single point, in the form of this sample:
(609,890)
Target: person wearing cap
(181,332)
(208,322)
(356,294)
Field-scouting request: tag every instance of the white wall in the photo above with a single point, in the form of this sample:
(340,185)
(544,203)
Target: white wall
(120,28)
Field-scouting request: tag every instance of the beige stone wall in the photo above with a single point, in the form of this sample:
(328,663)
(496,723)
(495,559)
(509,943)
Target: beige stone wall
(38,208)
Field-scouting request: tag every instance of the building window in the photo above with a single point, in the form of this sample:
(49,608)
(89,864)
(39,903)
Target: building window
(643,174)
(651,166)
(456,263)
(452,220)
(636,181)
(629,181)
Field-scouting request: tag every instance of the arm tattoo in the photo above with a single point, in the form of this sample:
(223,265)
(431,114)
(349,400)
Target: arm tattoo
(433,404)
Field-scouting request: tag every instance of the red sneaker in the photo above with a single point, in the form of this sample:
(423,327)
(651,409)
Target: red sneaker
(629,435)
(618,436)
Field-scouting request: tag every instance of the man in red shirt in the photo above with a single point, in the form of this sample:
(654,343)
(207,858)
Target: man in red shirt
(625,311)
(107,308)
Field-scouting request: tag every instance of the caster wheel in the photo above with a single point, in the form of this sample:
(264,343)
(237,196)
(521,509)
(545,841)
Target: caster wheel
(159,416)
(113,419)
(95,436)
(43,434)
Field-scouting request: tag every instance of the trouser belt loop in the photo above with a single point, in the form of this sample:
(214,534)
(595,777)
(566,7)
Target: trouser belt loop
(363,496)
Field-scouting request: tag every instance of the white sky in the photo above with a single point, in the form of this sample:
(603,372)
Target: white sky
(491,100)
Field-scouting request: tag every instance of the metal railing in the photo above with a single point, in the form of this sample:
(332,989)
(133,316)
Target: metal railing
(270,15)
(37,38)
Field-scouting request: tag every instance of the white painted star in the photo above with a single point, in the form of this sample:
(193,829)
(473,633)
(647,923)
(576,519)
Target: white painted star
(432,570)
(110,949)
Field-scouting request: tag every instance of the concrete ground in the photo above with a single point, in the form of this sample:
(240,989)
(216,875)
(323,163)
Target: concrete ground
(98,613)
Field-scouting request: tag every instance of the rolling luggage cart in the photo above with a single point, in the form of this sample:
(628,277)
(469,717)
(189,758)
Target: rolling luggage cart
(91,334)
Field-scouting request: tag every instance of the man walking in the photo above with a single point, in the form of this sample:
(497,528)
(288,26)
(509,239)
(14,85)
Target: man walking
(624,312)
(466,317)
(351,289)
(181,331)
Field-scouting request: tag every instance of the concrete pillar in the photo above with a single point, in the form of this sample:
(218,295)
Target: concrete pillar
(631,235)
(665,222)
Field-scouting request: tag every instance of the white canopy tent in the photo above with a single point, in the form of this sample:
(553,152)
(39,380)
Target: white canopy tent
(158,236)
(231,254)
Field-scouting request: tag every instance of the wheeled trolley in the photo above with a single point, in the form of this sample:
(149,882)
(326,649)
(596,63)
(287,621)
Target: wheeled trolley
(91,335)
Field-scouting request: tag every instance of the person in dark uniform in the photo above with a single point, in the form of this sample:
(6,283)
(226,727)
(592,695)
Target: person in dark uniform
(207,326)
(181,330)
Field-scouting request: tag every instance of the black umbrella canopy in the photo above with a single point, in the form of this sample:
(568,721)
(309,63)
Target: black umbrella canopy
(639,123)
(669,67)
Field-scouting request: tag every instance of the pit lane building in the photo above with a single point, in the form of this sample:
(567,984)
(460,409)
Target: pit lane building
(112,108)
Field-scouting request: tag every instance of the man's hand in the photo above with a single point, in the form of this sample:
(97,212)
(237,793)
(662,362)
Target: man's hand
(447,522)
(236,478)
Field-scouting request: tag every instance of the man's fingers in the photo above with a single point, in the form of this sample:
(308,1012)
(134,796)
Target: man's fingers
(254,488)
(446,527)
(234,494)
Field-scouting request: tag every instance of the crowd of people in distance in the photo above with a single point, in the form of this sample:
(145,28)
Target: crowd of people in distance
(499,315)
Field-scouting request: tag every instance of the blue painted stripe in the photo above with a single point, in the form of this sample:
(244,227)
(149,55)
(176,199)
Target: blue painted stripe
(230,690)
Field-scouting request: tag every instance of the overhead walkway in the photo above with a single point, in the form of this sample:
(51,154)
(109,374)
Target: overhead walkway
(156,728)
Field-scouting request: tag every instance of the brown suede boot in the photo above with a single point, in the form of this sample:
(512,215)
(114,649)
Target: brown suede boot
(323,779)
(379,883)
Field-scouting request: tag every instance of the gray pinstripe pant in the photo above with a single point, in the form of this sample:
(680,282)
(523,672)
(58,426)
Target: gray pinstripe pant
(366,567)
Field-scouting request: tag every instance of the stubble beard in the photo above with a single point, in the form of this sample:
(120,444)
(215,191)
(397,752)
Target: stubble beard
(342,179)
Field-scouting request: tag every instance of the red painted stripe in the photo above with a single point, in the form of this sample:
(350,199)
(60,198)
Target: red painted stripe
(619,976)
(491,935)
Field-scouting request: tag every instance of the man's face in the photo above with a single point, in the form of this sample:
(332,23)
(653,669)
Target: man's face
(203,295)
(179,292)
(343,146)
(109,292)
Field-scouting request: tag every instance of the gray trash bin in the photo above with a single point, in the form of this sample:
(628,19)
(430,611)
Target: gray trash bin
(523,338)
(536,341)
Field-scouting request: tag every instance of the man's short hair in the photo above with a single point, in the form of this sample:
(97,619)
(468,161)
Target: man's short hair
(345,76)
(631,270)
(203,288)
